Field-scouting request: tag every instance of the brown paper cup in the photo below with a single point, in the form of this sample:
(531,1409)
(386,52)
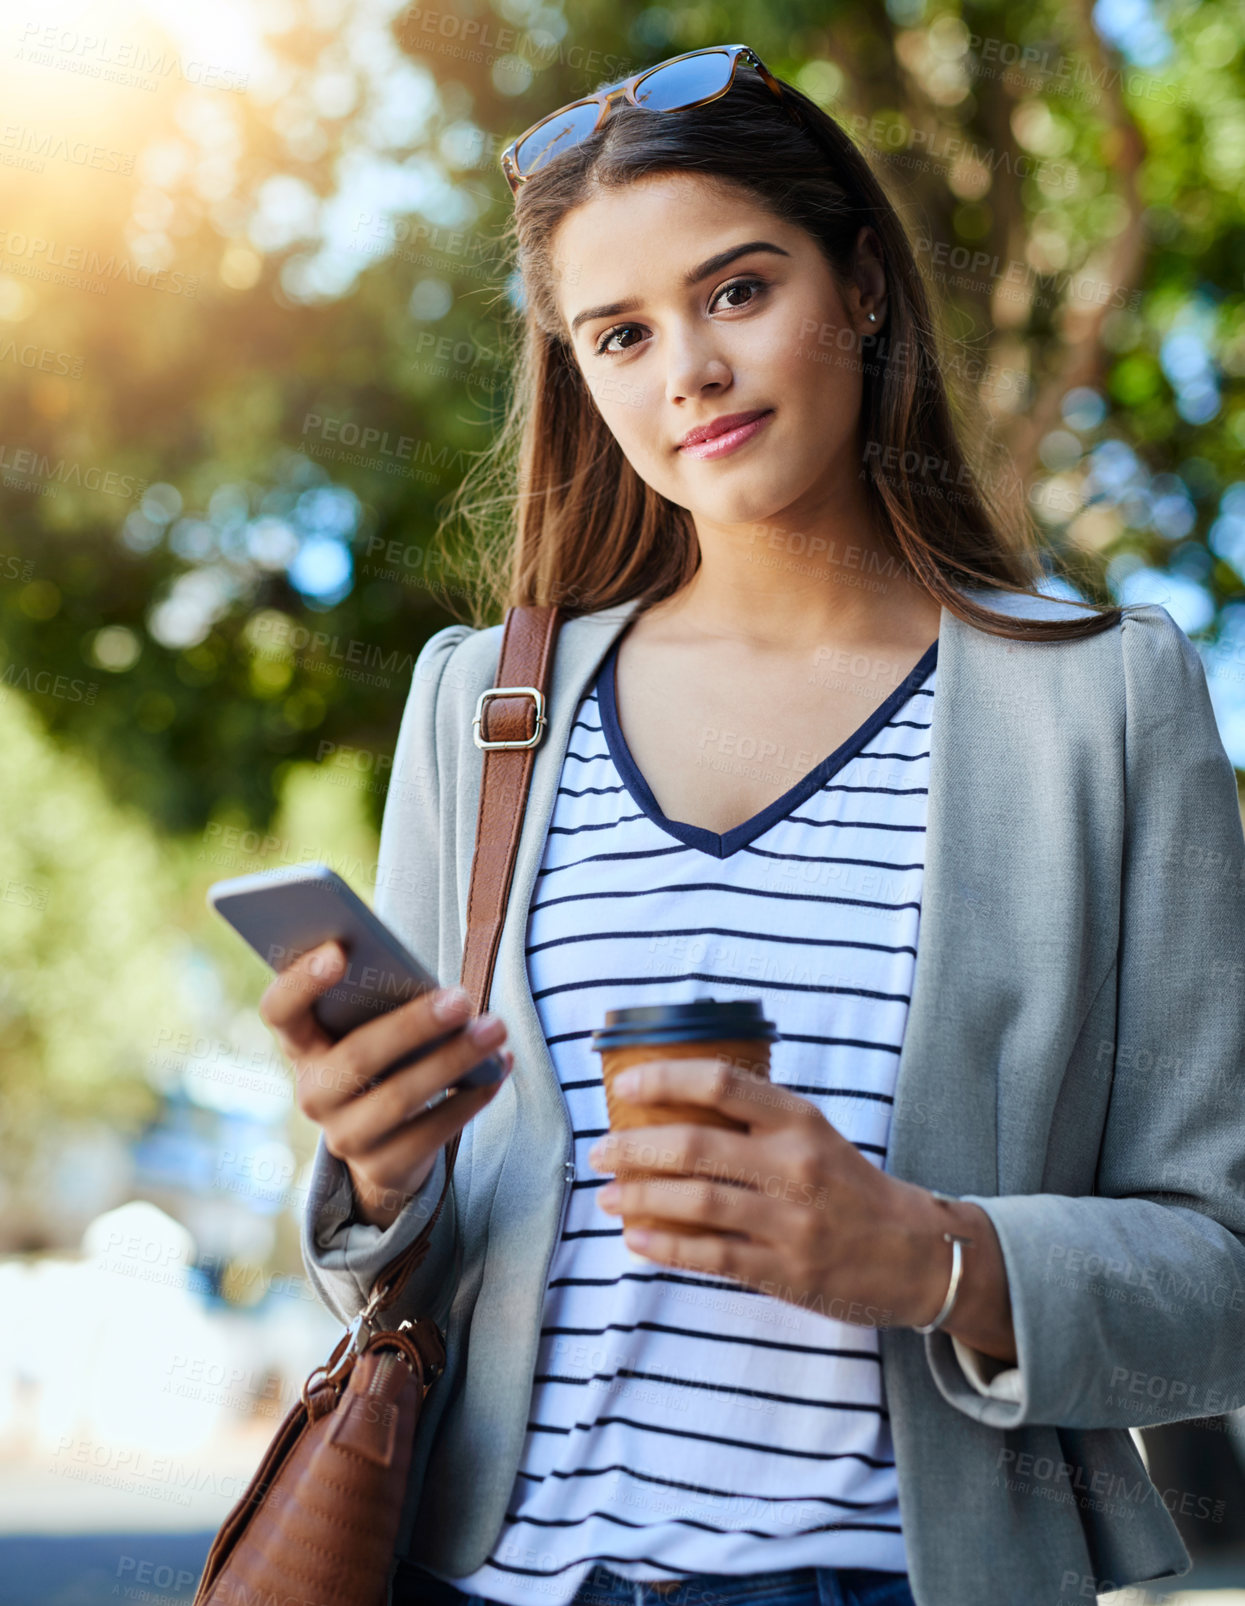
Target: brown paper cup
(751,1054)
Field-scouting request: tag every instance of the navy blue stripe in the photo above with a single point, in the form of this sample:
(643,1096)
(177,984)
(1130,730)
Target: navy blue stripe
(622,854)
(692,1522)
(788,1037)
(722,845)
(798,819)
(718,981)
(743,892)
(714,1438)
(723,931)
(699,1334)
(692,1488)
(709,1385)
(760,853)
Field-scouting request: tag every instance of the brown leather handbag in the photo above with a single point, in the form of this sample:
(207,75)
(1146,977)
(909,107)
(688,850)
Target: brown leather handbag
(319,1521)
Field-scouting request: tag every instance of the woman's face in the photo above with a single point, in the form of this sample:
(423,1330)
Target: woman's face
(768,329)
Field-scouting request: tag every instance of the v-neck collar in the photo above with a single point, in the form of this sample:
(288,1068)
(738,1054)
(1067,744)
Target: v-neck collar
(723,845)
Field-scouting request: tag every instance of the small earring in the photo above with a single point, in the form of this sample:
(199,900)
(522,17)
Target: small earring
(873,317)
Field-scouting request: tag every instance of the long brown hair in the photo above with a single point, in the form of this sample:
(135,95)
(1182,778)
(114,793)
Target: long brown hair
(560,516)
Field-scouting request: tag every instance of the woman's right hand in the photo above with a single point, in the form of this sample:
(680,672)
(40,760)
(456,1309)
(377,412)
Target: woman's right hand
(384,1135)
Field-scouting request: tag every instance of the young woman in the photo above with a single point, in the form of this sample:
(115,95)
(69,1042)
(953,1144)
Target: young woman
(816,737)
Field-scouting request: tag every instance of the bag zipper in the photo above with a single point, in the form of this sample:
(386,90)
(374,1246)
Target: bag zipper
(384,1368)
(384,1371)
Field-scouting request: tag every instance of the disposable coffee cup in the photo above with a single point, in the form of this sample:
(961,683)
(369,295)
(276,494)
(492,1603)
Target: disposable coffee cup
(734,1030)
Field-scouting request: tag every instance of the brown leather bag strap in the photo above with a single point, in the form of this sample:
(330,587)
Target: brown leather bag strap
(527,645)
(518,718)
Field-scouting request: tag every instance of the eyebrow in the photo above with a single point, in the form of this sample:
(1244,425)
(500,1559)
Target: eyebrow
(712,264)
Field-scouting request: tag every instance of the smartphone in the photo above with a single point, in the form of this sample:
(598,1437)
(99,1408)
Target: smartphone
(282,913)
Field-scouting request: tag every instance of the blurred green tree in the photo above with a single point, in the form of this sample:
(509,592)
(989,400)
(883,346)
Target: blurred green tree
(249,346)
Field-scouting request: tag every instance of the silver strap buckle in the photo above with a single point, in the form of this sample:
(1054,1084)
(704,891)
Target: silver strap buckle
(510,691)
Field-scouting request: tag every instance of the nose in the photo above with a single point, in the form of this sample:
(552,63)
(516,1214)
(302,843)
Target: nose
(695,367)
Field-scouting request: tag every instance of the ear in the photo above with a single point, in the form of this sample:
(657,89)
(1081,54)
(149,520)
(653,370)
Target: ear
(868,283)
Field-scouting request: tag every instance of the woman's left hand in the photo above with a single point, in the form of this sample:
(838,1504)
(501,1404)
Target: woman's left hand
(796,1210)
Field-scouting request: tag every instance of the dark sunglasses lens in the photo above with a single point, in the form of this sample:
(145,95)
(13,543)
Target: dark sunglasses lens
(681,83)
(555,135)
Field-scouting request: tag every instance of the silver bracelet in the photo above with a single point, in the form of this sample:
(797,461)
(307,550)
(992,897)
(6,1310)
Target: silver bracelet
(957,1266)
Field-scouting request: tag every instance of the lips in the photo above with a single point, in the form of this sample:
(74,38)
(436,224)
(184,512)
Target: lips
(721,426)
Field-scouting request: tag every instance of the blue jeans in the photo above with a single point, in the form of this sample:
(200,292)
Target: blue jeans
(800,1586)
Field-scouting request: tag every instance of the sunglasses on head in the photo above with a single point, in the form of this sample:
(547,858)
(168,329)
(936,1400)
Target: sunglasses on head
(692,79)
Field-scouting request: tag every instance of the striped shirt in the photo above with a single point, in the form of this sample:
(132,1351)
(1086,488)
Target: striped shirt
(682,1423)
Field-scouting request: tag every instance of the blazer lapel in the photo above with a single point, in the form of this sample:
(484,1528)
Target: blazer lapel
(943,1122)
(1019,917)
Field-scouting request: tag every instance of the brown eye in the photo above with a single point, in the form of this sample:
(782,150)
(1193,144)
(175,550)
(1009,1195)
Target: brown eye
(599,349)
(742,284)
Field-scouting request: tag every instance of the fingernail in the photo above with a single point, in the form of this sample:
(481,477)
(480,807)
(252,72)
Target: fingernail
(448,1002)
(484,1028)
(330,961)
(627,1082)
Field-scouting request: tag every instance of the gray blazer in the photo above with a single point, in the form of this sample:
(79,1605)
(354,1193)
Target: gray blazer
(1074,1062)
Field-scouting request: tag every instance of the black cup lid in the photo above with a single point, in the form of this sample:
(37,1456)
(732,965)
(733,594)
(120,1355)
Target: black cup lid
(705,1019)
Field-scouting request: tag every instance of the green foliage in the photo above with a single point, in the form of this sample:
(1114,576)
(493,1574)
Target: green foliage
(237,389)
(221,344)
(92,964)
